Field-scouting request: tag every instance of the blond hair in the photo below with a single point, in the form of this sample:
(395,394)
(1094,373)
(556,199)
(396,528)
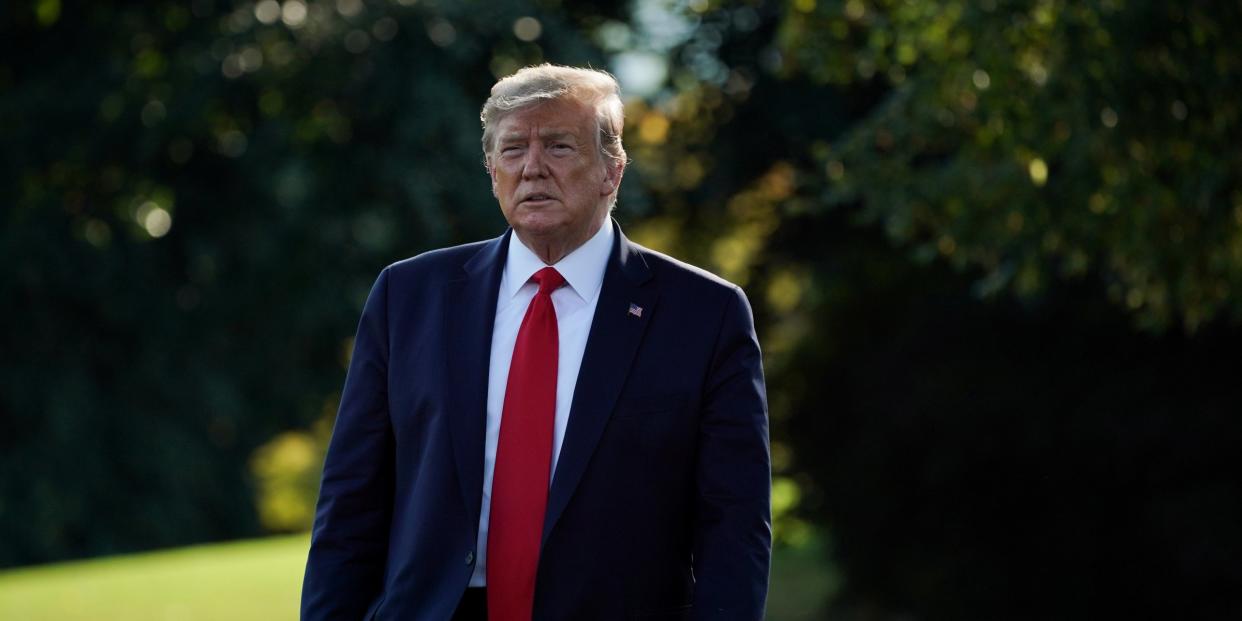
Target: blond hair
(537,84)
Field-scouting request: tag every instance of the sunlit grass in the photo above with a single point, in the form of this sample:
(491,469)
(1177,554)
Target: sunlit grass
(257,580)
(261,580)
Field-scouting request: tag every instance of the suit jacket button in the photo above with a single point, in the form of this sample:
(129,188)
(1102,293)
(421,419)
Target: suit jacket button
(470,557)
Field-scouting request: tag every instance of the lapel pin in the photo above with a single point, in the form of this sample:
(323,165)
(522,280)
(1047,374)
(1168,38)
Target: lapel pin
(636,310)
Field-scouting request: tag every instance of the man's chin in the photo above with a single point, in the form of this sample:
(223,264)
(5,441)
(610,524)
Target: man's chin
(540,225)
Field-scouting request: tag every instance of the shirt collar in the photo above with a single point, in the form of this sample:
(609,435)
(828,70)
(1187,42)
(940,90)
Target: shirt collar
(583,269)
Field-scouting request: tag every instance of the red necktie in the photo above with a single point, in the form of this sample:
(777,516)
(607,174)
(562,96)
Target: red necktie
(523,459)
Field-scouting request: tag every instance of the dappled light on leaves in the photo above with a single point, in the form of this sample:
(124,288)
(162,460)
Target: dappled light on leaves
(281,468)
(979,83)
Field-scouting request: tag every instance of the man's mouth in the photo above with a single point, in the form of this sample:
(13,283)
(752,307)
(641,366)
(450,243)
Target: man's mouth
(537,197)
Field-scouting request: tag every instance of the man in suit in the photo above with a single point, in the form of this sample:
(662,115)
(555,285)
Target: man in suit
(553,424)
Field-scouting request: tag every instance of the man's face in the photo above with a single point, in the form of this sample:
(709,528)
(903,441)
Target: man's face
(552,182)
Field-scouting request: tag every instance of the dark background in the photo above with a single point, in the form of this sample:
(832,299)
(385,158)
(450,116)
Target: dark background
(994,250)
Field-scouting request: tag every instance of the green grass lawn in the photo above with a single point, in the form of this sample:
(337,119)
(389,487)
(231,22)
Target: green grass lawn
(261,580)
(257,580)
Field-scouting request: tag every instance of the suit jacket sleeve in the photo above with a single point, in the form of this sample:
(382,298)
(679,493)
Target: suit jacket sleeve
(733,534)
(349,541)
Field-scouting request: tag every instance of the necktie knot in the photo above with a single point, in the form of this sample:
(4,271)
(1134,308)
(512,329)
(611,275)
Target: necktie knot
(548,279)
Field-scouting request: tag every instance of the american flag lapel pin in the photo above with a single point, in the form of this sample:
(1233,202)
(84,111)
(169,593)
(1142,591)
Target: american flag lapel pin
(636,310)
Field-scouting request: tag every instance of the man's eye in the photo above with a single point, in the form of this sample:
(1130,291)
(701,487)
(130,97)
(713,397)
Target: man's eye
(561,146)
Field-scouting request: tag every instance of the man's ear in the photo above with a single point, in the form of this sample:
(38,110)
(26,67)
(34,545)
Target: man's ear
(613,171)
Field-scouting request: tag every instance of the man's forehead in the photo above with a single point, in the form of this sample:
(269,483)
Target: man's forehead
(551,118)
(522,130)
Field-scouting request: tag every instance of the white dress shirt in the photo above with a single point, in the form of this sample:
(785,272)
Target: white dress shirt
(583,270)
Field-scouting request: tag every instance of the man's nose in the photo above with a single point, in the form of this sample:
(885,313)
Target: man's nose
(533,166)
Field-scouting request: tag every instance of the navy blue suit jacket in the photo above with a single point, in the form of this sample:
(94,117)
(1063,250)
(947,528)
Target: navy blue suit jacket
(659,506)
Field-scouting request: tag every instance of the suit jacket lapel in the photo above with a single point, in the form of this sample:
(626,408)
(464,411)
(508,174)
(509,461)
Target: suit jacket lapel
(616,332)
(469,315)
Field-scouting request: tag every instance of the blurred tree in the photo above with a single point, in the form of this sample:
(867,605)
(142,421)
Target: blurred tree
(946,214)
(991,440)
(1043,140)
(996,459)
(198,195)
(286,470)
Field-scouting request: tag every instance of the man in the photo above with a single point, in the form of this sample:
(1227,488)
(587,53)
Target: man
(554,424)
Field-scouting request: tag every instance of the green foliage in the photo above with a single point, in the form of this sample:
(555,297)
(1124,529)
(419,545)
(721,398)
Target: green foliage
(1044,140)
(286,470)
(986,441)
(199,194)
(198,197)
